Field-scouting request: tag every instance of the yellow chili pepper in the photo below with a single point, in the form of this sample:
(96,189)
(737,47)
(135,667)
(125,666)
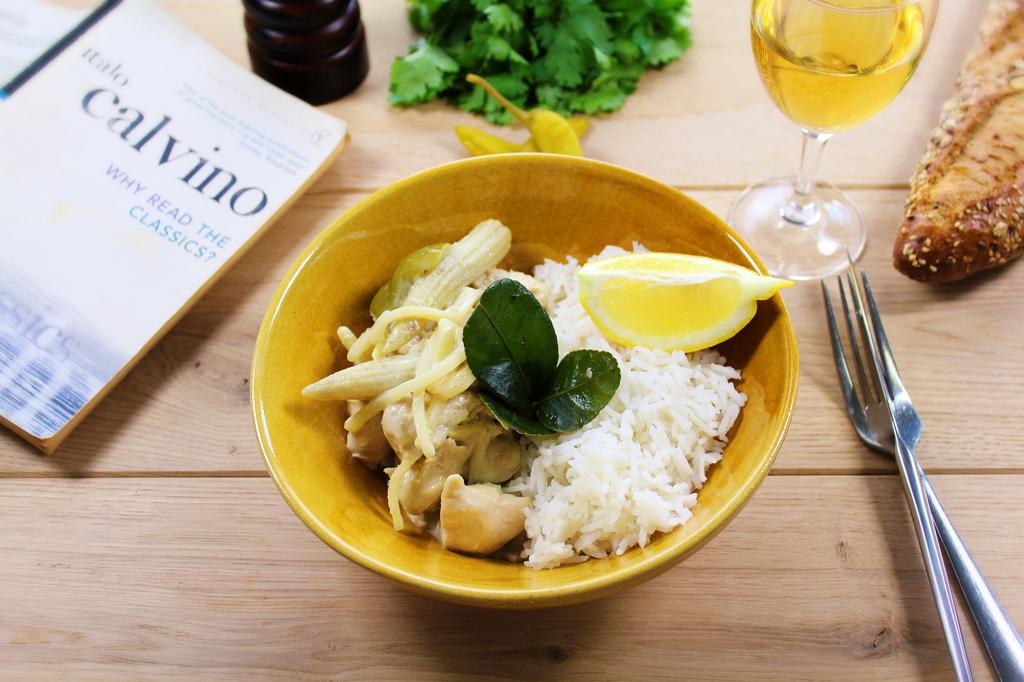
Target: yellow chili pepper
(549,131)
(579,126)
(478,143)
(529,146)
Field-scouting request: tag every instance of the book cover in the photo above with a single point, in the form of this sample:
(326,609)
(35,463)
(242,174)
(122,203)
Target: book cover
(138,164)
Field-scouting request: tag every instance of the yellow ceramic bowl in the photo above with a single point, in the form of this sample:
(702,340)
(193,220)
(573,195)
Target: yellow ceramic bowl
(555,205)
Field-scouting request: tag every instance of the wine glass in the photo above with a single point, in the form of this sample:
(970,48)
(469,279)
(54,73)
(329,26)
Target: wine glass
(828,65)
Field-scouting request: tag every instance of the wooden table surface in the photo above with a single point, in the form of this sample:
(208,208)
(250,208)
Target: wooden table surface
(153,544)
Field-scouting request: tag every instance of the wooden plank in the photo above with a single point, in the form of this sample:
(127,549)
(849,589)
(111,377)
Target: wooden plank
(149,578)
(185,409)
(704,120)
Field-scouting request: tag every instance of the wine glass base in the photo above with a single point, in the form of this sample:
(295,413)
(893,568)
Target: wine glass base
(813,250)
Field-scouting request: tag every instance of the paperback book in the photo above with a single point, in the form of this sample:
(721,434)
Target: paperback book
(138,165)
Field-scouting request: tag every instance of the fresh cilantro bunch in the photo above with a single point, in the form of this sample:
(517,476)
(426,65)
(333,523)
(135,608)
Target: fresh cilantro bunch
(569,56)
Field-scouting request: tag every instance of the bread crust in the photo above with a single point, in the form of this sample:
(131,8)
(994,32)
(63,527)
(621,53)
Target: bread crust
(965,211)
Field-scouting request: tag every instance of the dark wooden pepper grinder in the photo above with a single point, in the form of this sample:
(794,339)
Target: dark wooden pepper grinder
(314,49)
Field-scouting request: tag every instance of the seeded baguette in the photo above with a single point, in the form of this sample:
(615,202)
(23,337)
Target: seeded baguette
(965,212)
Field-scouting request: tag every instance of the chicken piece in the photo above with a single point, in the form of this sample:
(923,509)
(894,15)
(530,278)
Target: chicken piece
(399,429)
(368,445)
(494,459)
(479,519)
(535,286)
(465,408)
(421,489)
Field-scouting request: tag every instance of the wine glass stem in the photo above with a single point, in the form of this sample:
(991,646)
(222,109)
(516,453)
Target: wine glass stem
(802,209)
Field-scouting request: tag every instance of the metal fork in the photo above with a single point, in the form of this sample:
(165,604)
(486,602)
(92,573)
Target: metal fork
(874,410)
(1003,642)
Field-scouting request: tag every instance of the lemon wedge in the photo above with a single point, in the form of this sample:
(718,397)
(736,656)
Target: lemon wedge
(671,301)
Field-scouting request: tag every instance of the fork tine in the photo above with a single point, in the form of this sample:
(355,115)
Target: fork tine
(892,373)
(866,335)
(876,370)
(866,386)
(842,367)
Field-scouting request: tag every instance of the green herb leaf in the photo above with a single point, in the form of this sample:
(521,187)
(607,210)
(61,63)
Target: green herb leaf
(564,64)
(421,75)
(626,50)
(584,383)
(504,18)
(498,49)
(664,51)
(510,419)
(588,23)
(511,348)
(510,344)
(566,55)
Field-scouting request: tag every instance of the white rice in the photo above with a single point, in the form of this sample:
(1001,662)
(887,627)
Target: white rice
(636,469)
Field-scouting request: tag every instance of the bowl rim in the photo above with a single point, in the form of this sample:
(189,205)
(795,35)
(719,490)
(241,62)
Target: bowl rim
(584,589)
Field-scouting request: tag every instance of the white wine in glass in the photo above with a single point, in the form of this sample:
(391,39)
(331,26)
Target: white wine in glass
(828,65)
